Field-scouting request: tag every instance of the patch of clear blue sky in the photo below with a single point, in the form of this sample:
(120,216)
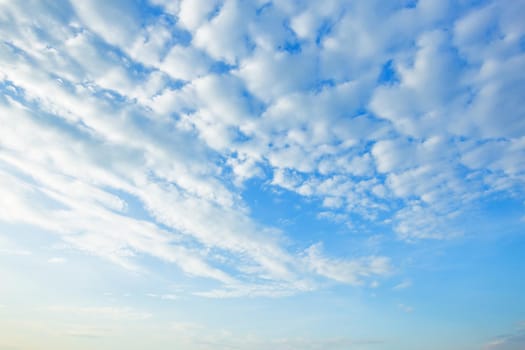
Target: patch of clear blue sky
(388,74)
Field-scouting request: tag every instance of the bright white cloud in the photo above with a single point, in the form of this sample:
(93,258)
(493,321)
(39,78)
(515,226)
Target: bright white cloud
(117,22)
(371,110)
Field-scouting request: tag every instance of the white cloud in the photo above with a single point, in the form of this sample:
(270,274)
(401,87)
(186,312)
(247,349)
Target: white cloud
(225,339)
(193,14)
(148,115)
(186,63)
(405,308)
(163,296)
(271,75)
(513,340)
(86,331)
(403,285)
(170,6)
(347,271)
(104,312)
(259,290)
(56,260)
(224,37)
(117,22)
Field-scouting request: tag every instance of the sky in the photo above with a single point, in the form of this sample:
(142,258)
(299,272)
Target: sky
(234,174)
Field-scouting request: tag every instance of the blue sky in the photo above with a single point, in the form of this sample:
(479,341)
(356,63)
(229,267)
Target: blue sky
(207,174)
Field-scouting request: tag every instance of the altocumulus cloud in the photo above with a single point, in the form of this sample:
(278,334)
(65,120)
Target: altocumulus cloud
(384,111)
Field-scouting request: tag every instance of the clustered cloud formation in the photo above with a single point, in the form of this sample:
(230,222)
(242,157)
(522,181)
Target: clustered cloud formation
(404,110)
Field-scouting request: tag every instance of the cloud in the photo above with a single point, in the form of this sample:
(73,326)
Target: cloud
(174,109)
(193,14)
(225,339)
(403,285)
(103,312)
(405,308)
(163,296)
(185,63)
(116,22)
(87,332)
(347,271)
(511,341)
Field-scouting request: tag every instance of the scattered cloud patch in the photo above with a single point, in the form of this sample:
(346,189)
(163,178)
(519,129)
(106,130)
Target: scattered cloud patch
(163,296)
(405,308)
(402,116)
(56,260)
(403,285)
(104,312)
(511,341)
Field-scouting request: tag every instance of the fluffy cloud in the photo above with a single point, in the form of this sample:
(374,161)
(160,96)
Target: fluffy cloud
(372,110)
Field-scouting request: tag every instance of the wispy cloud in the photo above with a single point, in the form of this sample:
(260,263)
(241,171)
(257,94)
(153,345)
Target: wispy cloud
(405,308)
(225,339)
(403,285)
(511,341)
(103,312)
(56,260)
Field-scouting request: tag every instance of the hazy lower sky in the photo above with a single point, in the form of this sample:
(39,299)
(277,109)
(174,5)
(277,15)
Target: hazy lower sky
(285,175)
